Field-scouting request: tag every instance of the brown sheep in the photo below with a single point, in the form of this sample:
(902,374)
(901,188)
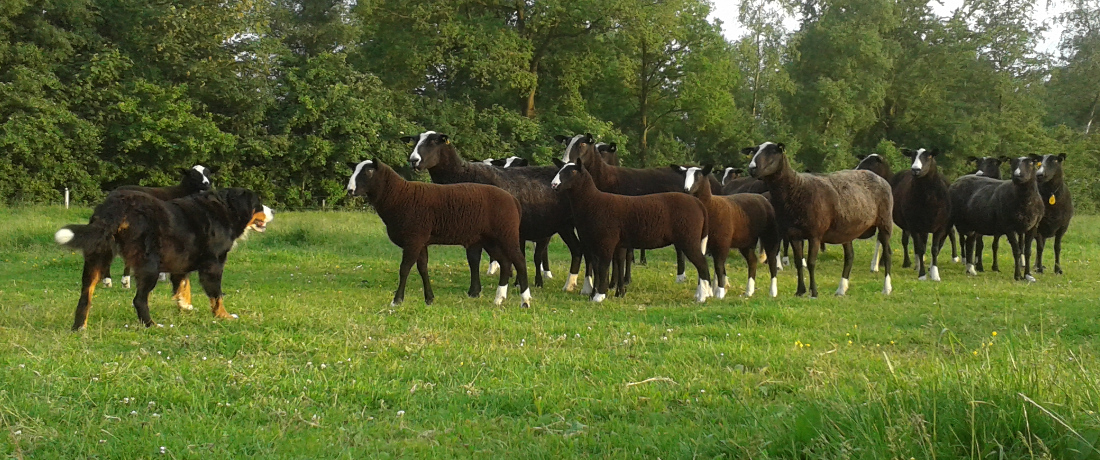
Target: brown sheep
(735,221)
(608,224)
(417,214)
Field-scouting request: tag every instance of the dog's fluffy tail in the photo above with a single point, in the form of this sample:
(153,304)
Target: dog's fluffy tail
(87,238)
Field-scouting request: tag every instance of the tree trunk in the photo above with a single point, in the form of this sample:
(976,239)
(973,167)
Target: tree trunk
(756,78)
(528,108)
(1092,113)
(643,106)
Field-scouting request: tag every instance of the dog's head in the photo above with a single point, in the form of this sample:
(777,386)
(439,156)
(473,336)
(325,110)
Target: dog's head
(245,207)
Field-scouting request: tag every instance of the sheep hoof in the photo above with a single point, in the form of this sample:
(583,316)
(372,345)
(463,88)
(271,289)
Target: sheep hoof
(956,259)
(493,267)
(162,277)
(548,274)
(906,264)
(186,306)
(126,282)
(1038,269)
(599,298)
(1029,278)
(934,273)
(428,300)
(681,278)
(1057,270)
(922,278)
(396,302)
(107,283)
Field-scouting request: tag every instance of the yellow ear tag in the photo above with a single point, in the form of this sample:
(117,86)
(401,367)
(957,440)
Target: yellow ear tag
(1051,200)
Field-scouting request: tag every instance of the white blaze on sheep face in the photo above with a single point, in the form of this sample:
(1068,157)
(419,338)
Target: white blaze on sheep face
(689,177)
(726,175)
(557,178)
(569,148)
(509,161)
(752,164)
(202,170)
(414,157)
(917,165)
(358,169)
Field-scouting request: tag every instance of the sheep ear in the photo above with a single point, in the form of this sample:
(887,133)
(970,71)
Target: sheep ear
(352,166)
(560,164)
(781,147)
(588,139)
(677,168)
(1035,158)
(707,169)
(613,147)
(861,157)
(561,139)
(520,162)
(407,139)
(376,162)
(1004,159)
(498,162)
(444,139)
(907,152)
(748,150)
(935,152)
(738,171)
(972,159)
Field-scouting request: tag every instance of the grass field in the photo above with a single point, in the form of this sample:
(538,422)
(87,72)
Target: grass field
(320,365)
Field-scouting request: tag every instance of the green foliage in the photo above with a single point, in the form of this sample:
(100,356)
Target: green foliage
(279,96)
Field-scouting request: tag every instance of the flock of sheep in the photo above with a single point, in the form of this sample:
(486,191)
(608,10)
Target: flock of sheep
(602,212)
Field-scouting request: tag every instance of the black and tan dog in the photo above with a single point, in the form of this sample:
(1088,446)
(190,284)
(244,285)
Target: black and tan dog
(188,234)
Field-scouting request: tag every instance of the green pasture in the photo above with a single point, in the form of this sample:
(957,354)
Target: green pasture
(320,365)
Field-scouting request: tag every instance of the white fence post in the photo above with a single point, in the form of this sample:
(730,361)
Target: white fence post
(66,197)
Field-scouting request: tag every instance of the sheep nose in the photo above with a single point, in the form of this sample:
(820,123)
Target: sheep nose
(916,170)
(752,171)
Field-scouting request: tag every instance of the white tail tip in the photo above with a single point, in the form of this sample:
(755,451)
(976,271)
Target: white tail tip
(63,236)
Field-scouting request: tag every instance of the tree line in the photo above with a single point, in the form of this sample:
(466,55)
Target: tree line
(280,95)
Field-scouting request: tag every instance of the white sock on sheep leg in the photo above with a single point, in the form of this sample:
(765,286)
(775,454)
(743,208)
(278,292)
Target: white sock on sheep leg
(526,297)
(1029,278)
(934,273)
(547,274)
(108,283)
(750,287)
(493,267)
(599,298)
(970,270)
(587,288)
(843,288)
(126,281)
(163,277)
(804,265)
(956,259)
(887,288)
(778,265)
(681,278)
(874,257)
(570,283)
(786,260)
(774,291)
(502,293)
(702,291)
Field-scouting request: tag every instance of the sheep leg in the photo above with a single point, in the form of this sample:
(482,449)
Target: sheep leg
(641,257)
(976,253)
(1025,240)
(1040,244)
(796,247)
(408,258)
(1016,255)
(628,269)
(786,251)
(996,244)
(542,261)
(575,254)
(95,265)
(811,264)
(603,262)
(954,245)
(887,257)
(473,258)
(772,251)
(751,260)
(1058,250)
(680,268)
(849,259)
(617,272)
(937,246)
(146,281)
(125,277)
(920,244)
(694,252)
(515,257)
(905,263)
(422,268)
(971,243)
